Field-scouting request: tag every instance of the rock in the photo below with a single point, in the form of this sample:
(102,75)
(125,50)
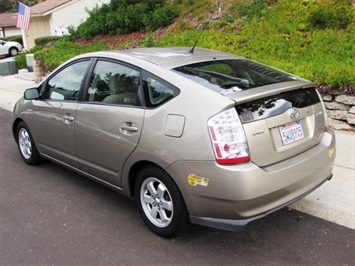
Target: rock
(327,98)
(340,125)
(336,106)
(351,119)
(352,110)
(338,115)
(346,99)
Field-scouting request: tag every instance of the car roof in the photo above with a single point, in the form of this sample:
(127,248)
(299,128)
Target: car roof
(170,57)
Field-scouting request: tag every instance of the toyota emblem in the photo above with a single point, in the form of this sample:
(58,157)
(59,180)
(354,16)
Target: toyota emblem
(294,114)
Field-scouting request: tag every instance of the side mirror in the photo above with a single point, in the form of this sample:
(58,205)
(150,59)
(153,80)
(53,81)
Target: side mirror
(31,94)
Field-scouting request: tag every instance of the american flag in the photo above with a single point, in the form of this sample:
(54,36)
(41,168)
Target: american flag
(23,16)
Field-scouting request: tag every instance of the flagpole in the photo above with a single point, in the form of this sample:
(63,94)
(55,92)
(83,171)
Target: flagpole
(24,38)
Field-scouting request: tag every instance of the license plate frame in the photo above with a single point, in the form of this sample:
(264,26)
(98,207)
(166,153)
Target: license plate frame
(291,132)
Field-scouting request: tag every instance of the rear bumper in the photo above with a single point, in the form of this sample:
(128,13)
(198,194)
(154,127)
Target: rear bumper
(238,225)
(229,197)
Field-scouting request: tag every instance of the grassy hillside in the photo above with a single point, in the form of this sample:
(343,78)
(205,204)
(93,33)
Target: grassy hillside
(314,39)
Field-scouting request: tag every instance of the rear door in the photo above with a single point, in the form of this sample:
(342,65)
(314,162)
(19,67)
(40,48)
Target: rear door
(109,121)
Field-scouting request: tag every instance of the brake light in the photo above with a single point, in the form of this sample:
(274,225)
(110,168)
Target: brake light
(326,125)
(325,116)
(228,138)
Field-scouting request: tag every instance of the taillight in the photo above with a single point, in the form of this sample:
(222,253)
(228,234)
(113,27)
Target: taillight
(228,138)
(325,116)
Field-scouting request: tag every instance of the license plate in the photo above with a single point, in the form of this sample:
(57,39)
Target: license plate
(291,132)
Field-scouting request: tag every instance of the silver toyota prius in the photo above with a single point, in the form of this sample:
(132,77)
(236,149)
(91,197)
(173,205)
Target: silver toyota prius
(193,136)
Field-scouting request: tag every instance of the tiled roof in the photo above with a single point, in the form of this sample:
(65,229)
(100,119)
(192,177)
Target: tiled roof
(47,6)
(8,20)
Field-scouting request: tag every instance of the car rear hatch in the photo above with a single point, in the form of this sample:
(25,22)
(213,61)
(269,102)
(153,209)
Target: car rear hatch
(280,120)
(282,115)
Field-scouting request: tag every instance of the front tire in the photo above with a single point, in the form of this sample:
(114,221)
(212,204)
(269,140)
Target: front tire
(13,51)
(160,202)
(26,145)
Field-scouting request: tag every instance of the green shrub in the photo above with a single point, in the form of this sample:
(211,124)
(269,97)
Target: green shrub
(119,17)
(338,14)
(330,17)
(21,61)
(62,50)
(162,17)
(131,19)
(15,38)
(148,41)
(42,41)
(96,23)
(252,9)
(21,58)
(150,5)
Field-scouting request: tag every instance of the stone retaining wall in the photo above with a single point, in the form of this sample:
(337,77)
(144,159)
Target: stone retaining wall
(341,111)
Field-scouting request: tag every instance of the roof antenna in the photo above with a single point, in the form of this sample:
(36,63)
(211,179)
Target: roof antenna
(204,26)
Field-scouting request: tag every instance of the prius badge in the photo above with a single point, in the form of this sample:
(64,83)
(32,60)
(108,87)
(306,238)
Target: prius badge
(293,113)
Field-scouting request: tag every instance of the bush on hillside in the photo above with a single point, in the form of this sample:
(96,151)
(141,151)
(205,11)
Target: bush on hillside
(42,41)
(15,38)
(120,17)
(162,17)
(252,9)
(20,59)
(61,51)
(331,16)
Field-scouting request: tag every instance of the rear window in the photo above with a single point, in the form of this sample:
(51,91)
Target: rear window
(277,104)
(233,75)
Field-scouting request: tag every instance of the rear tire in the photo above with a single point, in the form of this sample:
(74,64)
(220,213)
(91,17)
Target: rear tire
(160,202)
(26,145)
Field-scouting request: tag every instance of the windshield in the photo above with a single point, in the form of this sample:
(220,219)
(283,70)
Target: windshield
(233,75)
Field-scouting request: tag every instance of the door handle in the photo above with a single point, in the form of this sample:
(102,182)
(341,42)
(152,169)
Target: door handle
(68,119)
(128,128)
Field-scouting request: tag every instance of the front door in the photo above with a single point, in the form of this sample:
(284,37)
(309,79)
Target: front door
(54,117)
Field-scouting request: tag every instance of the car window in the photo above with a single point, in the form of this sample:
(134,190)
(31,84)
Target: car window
(156,90)
(114,83)
(241,74)
(66,84)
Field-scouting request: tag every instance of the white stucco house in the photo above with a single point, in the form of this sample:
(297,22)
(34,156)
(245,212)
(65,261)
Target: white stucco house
(53,17)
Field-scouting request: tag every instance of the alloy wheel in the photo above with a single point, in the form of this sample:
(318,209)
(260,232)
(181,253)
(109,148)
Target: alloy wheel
(156,202)
(25,143)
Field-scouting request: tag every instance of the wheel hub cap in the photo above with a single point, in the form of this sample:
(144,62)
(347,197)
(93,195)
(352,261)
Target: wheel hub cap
(156,202)
(25,143)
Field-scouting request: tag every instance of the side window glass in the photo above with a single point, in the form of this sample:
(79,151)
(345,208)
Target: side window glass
(66,84)
(157,91)
(114,83)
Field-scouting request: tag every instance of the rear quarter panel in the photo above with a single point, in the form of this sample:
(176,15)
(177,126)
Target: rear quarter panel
(196,104)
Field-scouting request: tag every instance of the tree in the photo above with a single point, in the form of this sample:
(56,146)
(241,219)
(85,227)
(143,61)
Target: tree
(11,5)
(6,5)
